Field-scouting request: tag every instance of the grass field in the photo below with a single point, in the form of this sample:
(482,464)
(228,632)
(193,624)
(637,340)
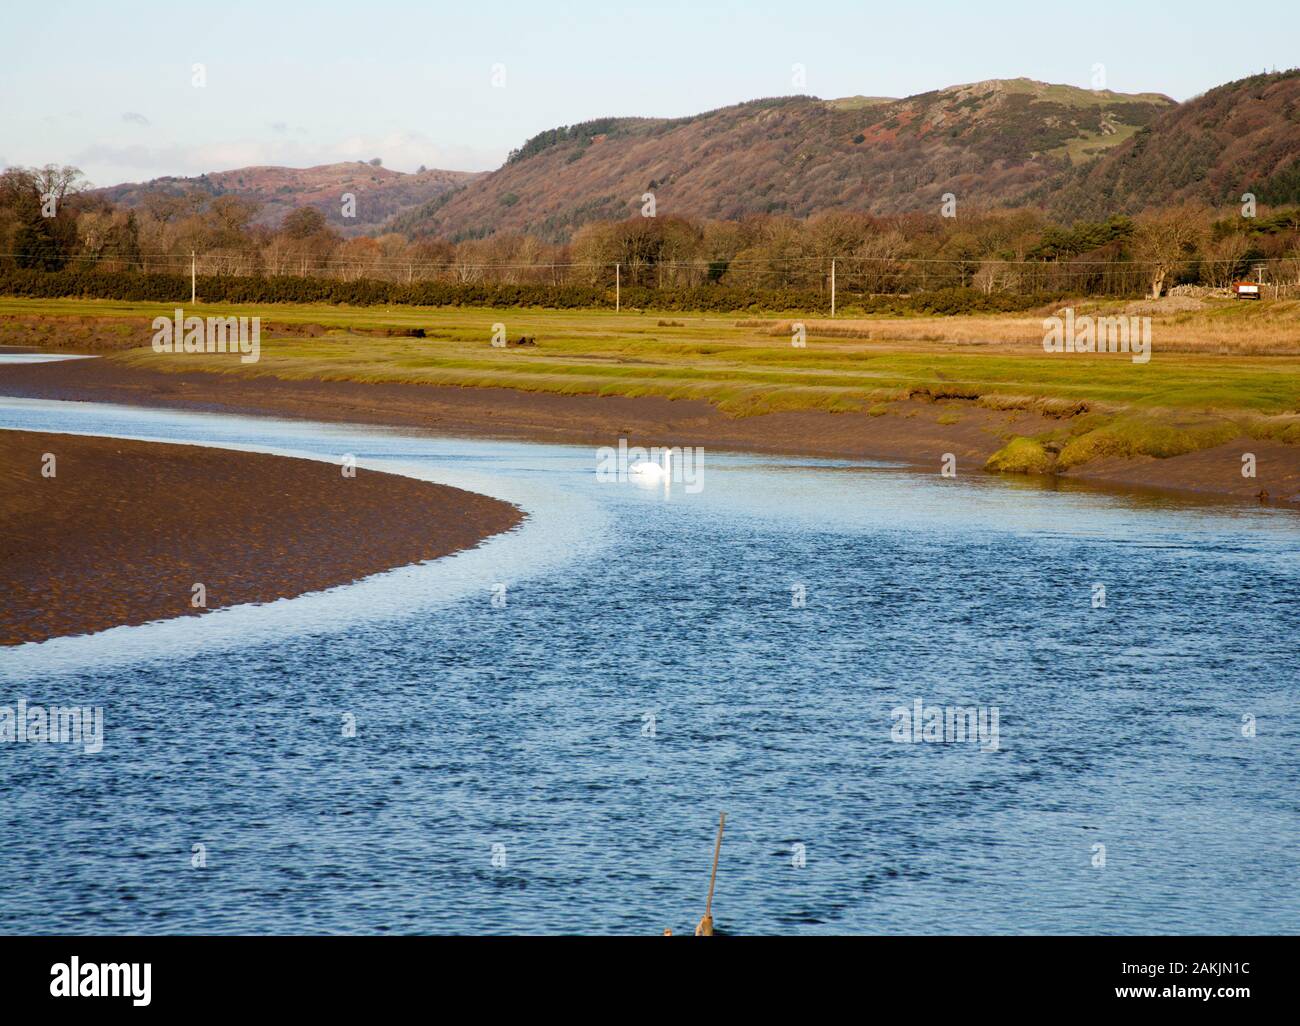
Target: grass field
(1219,368)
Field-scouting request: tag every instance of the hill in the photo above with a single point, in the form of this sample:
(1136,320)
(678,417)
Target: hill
(380,193)
(1240,137)
(1079,153)
(989,142)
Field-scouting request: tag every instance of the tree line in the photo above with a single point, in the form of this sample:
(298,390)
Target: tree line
(48,222)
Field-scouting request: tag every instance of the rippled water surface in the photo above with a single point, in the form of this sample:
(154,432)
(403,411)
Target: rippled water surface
(527,726)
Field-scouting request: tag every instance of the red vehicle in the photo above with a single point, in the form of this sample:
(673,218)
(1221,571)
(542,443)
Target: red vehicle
(1247,289)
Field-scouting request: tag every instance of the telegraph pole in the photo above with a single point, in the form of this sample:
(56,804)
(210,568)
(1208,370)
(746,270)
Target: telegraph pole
(193,279)
(618,287)
(832,286)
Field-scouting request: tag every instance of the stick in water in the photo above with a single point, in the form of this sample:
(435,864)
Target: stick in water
(705,928)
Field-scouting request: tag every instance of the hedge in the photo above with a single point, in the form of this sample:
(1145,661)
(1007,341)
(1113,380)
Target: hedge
(175,288)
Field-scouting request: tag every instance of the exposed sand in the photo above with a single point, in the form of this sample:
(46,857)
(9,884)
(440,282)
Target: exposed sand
(124,530)
(910,433)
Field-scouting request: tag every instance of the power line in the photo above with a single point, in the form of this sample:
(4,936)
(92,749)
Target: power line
(705,265)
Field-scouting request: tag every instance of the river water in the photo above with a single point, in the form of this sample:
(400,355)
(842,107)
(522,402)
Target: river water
(555,760)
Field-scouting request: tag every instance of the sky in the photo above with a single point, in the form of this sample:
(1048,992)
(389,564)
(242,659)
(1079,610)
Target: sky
(110,88)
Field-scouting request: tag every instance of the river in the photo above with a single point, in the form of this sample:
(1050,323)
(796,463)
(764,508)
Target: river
(546,727)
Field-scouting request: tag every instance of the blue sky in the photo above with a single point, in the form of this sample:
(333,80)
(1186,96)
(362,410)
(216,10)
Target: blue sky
(108,86)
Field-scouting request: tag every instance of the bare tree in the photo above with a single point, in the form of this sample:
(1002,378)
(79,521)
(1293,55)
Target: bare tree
(1164,242)
(877,262)
(1224,258)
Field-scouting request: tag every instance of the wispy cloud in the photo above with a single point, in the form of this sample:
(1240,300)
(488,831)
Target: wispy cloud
(132,118)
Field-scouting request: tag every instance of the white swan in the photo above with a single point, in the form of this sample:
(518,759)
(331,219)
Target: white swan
(648,474)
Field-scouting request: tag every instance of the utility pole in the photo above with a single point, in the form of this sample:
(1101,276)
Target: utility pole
(832,287)
(618,287)
(193,279)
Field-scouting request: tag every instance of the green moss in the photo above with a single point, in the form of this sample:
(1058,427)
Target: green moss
(1129,437)
(1022,456)
(1276,429)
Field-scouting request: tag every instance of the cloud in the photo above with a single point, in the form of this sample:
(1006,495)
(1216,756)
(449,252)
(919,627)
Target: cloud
(279,128)
(131,118)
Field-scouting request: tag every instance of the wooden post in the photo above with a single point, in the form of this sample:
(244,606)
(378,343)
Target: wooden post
(618,287)
(705,928)
(713,879)
(832,288)
(193,279)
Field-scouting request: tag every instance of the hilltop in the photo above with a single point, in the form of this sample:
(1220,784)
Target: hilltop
(1240,137)
(987,142)
(381,194)
(1077,153)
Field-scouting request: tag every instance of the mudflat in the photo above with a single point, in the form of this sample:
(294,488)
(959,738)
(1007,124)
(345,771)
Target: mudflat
(123,530)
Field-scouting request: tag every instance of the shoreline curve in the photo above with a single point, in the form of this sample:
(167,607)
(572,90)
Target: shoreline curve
(124,530)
